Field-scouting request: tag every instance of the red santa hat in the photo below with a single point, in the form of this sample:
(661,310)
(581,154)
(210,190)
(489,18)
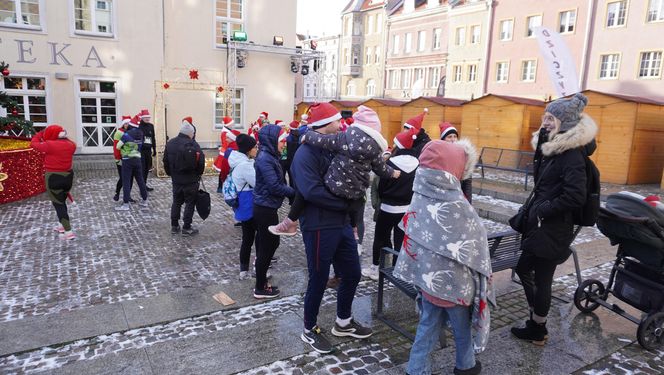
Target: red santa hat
(416,122)
(135,121)
(228,121)
(279,122)
(53,132)
(263,115)
(294,124)
(446,129)
(144,113)
(283,134)
(321,114)
(188,120)
(404,140)
(304,117)
(125,120)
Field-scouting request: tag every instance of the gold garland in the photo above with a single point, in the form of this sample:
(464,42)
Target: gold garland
(13,144)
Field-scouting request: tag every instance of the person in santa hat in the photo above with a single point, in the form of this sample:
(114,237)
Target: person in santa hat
(327,234)
(184,161)
(228,139)
(149,148)
(130,145)
(422,137)
(58,153)
(394,196)
(449,133)
(292,144)
(117,135)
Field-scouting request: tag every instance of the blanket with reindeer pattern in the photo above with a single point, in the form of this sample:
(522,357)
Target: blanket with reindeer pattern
(445,251)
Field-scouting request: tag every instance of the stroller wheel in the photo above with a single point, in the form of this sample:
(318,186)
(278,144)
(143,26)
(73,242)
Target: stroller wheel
(651,331)
(583,297)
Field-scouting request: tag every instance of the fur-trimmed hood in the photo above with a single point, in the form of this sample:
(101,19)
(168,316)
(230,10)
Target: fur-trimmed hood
(578,136)
(473,157)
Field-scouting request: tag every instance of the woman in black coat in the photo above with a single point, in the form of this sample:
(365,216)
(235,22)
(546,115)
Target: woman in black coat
(561,145)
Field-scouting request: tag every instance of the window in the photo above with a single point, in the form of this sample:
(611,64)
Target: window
(22,13)
(472,73)
(355,57)
(609,66)
(349,25)
(475,34)
(528,68)
(367,55)
(651,64)
(93,17)
(531,23)
(379,23)
(395,45)
(368,24)
(405,75)
(506,30)
(229,18)
(615,13)
(567,21)
(502,71)
(408,42)
(656,11)
(98,111)
(456,73)
(29,93)
(371,87)
(346,57)
(460,36)
(434,77)
(350,88)
(421,40)
(437,34)
(418,75)
(377,58)
(334,58)
(394,79)
(231,109)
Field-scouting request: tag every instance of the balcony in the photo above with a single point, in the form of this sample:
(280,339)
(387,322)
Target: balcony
(351,70)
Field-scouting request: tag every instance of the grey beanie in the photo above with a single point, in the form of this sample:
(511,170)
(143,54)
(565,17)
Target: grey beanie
(568,110)
(188,129)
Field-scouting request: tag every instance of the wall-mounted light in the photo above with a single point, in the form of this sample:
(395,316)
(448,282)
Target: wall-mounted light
(239,36)
(293,67)
(278,40)
(305,69)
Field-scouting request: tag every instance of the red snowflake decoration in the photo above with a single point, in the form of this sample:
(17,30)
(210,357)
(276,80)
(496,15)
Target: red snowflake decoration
(193,74)
(166,86)
(220,89)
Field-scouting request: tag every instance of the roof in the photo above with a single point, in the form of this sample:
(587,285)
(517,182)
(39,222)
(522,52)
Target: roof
(444,101)
(514,99)
(389,102)
(629,98)
(366,4)
(349,7)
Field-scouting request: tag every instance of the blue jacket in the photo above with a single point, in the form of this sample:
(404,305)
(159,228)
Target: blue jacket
(323,210)
(271,188)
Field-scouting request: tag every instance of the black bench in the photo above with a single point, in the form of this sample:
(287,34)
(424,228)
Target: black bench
(507,160)
(504,249)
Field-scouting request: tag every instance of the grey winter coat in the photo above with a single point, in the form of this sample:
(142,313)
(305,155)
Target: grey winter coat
(357,152)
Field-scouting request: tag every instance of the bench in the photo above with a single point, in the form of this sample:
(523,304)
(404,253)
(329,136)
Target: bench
(504,249)
(507,160)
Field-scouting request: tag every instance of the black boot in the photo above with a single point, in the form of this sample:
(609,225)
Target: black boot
(533,332)
(471,371)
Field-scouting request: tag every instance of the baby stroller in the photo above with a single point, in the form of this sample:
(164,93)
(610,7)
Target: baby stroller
(637,276)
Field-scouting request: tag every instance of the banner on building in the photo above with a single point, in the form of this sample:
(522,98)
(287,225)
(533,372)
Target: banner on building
(559,61)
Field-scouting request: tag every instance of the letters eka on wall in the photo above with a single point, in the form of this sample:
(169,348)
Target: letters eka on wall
(57,53)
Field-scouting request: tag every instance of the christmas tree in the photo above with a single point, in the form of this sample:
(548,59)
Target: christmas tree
(13,122)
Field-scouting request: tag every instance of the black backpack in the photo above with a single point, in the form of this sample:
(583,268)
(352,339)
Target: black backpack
(587,215)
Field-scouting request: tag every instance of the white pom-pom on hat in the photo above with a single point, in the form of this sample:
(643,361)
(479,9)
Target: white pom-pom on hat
(426,110)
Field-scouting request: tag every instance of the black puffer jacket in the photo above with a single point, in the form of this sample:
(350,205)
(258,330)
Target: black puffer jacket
(183,160)
(399,191)
(560,172)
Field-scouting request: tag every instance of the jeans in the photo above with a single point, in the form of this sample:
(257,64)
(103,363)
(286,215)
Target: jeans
(432,319)
(132,169)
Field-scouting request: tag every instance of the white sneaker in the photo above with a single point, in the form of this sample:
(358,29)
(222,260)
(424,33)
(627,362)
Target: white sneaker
(122,207)
(245,275)
(359,249)
(143,203)
(69,235)
(371,272)
(59,228)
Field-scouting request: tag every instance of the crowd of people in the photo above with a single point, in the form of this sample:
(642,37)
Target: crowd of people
(420,189)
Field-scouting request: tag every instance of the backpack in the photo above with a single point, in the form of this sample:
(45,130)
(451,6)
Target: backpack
(587,215)
(230,192)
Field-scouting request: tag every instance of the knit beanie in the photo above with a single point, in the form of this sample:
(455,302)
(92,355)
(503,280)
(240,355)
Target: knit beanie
(568,110)
(367,117)
(188,128)
(444,156)
(245,143)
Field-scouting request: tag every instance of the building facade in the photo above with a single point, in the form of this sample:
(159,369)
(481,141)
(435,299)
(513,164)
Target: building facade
(321,81)
(86,64)
(467,38)
(361,69)
(416,49)
(329,45)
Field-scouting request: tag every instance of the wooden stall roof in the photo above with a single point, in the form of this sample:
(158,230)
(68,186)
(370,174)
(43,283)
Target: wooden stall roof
(513,99)
(348,103)
(449,102)
(388,102)
(629,98)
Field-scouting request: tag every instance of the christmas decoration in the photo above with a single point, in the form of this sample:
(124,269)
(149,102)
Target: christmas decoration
(21,172)
(193,74)
(14,124)
(220,89)
(166,86)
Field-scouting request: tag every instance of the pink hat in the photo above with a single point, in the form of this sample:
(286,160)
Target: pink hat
(446,129)
(321,114)
(144,113)
(404,140)
(444,156)
(367,117)
(416,122)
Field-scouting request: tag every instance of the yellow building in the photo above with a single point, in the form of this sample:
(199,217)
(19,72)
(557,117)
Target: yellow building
(83,64)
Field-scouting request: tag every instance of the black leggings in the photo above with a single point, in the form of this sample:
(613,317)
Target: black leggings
(248,239)
(536,275)
(266,242)
(387,224)
(58,185)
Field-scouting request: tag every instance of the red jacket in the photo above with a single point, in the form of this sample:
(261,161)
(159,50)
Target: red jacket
(59,152)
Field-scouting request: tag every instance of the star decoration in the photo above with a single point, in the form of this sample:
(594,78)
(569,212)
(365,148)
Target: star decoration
(193,74)
(220,89)
(166,86)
